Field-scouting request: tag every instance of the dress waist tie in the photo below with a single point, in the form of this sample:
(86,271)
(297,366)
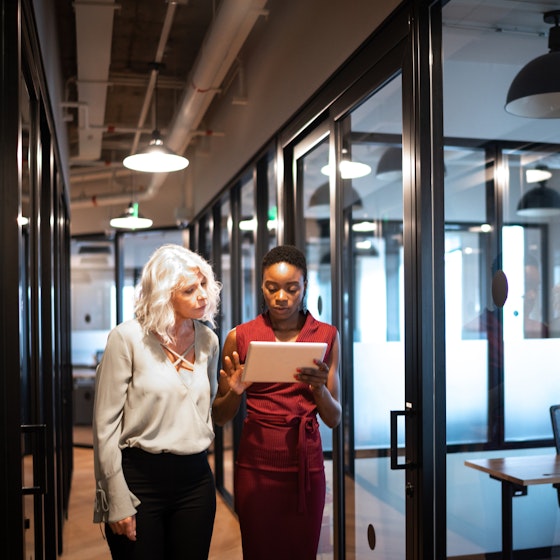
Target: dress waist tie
(305,424)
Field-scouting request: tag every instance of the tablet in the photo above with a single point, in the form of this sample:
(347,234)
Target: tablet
(277,362)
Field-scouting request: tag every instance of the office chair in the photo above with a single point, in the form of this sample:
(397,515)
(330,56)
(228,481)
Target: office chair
(555,418)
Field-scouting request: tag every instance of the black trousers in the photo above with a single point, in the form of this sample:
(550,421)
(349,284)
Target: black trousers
(175,518)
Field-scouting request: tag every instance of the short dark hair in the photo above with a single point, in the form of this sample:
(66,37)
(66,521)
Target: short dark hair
(288,254)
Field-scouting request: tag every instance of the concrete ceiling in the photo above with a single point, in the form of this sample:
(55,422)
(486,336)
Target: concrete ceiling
(136,65)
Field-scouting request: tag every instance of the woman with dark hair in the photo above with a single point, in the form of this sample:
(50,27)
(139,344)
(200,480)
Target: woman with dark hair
(152,421)
(280,476)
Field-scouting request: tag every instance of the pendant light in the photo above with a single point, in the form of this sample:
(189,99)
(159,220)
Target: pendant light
(535,91)
(320,203)
(348,169)
(131,219)
(541,201)
(389,167)
(156,157)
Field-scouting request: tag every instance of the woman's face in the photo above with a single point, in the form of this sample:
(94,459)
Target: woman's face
(283,289)
(189,299)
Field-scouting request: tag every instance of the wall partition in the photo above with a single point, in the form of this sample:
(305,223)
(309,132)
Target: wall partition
(359,216)
(35,387)
(374,284)
(501,275)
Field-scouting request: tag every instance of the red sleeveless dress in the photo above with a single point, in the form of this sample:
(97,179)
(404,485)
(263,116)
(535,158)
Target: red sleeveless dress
(280,476)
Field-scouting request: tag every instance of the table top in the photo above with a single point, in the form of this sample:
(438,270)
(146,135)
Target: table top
(523,470)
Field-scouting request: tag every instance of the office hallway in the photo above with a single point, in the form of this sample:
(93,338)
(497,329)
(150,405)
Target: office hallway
(83,539)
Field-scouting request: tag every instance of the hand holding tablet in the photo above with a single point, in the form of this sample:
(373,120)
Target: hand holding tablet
(277,362)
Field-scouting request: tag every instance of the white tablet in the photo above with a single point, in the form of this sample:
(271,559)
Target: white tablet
(277,362)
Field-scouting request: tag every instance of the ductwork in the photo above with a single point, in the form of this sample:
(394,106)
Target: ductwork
(222,44)
(94,30)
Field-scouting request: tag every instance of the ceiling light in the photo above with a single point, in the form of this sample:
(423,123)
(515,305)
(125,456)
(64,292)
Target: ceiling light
(156,158)
(535,91)
(538,174)
(364,226)
(539,202)
(131,219)
(349,169)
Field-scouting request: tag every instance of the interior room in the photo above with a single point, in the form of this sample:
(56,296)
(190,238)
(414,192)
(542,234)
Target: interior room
(409,148)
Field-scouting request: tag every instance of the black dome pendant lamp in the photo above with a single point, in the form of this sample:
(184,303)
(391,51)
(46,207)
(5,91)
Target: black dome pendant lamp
(535,91)
(540,201)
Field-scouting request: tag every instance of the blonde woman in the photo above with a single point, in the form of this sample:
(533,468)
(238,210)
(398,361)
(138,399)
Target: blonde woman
(152,420)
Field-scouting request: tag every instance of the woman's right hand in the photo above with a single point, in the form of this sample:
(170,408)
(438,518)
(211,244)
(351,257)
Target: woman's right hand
(126,526)
(233,372)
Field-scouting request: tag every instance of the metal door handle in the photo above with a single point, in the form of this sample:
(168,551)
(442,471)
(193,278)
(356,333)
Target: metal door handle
(39,454)
(395,465)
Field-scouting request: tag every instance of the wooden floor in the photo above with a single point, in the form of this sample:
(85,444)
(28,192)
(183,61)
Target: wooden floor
(83,539)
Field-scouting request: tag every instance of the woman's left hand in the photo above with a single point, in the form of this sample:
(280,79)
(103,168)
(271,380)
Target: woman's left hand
(316,378)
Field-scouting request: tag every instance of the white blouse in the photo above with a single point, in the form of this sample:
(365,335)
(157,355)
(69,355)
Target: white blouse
(141,400)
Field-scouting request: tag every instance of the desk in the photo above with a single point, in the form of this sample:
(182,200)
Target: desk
(516,474)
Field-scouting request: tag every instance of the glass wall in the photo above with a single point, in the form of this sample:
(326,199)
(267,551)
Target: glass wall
(272,200)
(313,189)
(35,334)
(501,267)
(373,269)
(226,324)
(247,231)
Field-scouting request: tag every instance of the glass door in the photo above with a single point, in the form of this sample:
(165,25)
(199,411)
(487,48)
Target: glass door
(373,279)
(367,186)
(311,158)
(502,278)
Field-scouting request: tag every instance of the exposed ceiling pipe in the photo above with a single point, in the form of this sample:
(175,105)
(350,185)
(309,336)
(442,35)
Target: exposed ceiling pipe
(222,44)
(221,47)
(104,200)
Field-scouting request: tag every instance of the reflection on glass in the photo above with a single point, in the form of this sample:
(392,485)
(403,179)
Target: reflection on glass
(24,306)
(314,191)
(373,285)
(248,229)
(272,225)
(206,237)
(226,324)
(316,212)
(501,372)
(471,315)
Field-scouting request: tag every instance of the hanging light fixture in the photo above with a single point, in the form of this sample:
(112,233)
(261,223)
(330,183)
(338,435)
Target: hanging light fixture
(319,201)
(156,158)
(389,167)
(131,219)
(348,169)
(538,174)
(535,91)
(541,201)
